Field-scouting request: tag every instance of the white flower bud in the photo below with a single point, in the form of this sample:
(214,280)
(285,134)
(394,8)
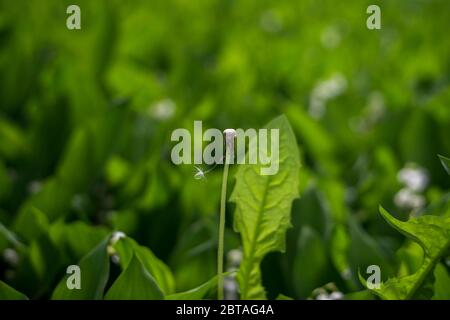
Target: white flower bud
(116,236)
(336,295)
(230,134)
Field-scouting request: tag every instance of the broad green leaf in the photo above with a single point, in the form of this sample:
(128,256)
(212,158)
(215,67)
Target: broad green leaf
(410,257)
(10,237)
(263,208)
(194,257)
(442,284)
(311,262)
(9,293)
(206,290)
(445,163)
(317,141)
(45,259)
(94,276)
(77,238)
(432,233)
(134,283)
(337,225)
(14,142)
(126,247)
(30,223)
(364,251)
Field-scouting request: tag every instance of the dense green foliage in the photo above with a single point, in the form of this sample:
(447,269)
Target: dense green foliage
(86,118)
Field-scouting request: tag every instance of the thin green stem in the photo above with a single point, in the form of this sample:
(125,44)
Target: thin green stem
(223,200)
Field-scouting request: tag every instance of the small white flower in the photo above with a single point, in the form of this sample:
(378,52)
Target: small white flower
(407,199)
(414,178)
(230,287)
(323,296)
(11,256)
(163,109)
(115,259)
(116,236)
(336,295)
(34,187)
(346,274)
(323,92)
(234,257)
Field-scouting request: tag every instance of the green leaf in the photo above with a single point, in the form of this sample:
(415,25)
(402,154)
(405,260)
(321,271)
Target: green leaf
(158,270)
(14,142)
(9,293)
(10,237)
(364,250)
(311,263)
(76,238)
(442,284)
(263,208)
(283,297)
(359,295)
(432,233)
(445,163)
(134,283)
(30,223)
(94,276)
(5,183)
(206,290)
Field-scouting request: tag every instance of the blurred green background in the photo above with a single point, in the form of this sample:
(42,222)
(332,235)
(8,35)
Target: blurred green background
(86,117)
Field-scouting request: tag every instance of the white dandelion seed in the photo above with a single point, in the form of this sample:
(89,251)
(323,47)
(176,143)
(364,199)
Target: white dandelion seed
(199,174)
